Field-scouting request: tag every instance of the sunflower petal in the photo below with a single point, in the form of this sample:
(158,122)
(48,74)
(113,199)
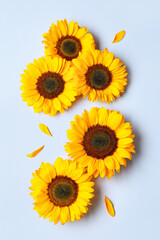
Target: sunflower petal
(109,206)
(33,154)
(45,129)
(119,36)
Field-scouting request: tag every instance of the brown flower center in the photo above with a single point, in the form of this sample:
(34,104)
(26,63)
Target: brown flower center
(50,85)
(68,47)
(98,77)
(100,141)
(62,191)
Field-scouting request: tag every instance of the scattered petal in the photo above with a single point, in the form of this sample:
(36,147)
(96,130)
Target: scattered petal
(109,206)
(119,36)
(33,154)
(45,129)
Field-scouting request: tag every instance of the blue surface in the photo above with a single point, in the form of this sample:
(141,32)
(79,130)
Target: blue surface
(135,191)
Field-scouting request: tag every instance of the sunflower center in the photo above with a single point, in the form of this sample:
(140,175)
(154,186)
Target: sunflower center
(98,77)
(100,141)
(50,85)
(68,47)
(62,191)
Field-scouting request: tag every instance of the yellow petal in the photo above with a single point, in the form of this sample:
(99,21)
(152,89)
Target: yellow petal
(64,215)
(109,206)
(33,154)
(119,36)
(45,129)
(109,162)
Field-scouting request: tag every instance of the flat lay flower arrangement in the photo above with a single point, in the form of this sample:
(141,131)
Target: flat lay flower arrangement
(100,140)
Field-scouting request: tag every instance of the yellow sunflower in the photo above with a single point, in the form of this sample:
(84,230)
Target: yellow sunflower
(67,41)
(99,75)
(61,192)
(47,86)
(100,141)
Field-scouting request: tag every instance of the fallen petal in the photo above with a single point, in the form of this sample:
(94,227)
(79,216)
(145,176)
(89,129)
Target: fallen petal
(33,154)
(109,206)
(119,36)
(45,129)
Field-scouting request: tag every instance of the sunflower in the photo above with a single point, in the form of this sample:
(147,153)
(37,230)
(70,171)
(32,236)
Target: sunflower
(100,141)
(67,41)
(61,192)
(99,75)
(47,86)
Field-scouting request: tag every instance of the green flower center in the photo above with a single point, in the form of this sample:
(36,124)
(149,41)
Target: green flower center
(100,141)
(62,191)
(98,77)
(68,47)
(50,85)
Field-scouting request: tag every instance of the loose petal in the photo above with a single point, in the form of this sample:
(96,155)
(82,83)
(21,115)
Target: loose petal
(119,36)
(45,129)
(33,154)
(109,206)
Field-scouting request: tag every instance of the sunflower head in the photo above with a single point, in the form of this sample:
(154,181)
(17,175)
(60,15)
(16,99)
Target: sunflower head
(99,75)
(47,85)
(67,41)
(101,140)
(61,192)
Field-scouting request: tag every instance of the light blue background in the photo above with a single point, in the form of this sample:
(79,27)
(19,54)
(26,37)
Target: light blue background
(135,191)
